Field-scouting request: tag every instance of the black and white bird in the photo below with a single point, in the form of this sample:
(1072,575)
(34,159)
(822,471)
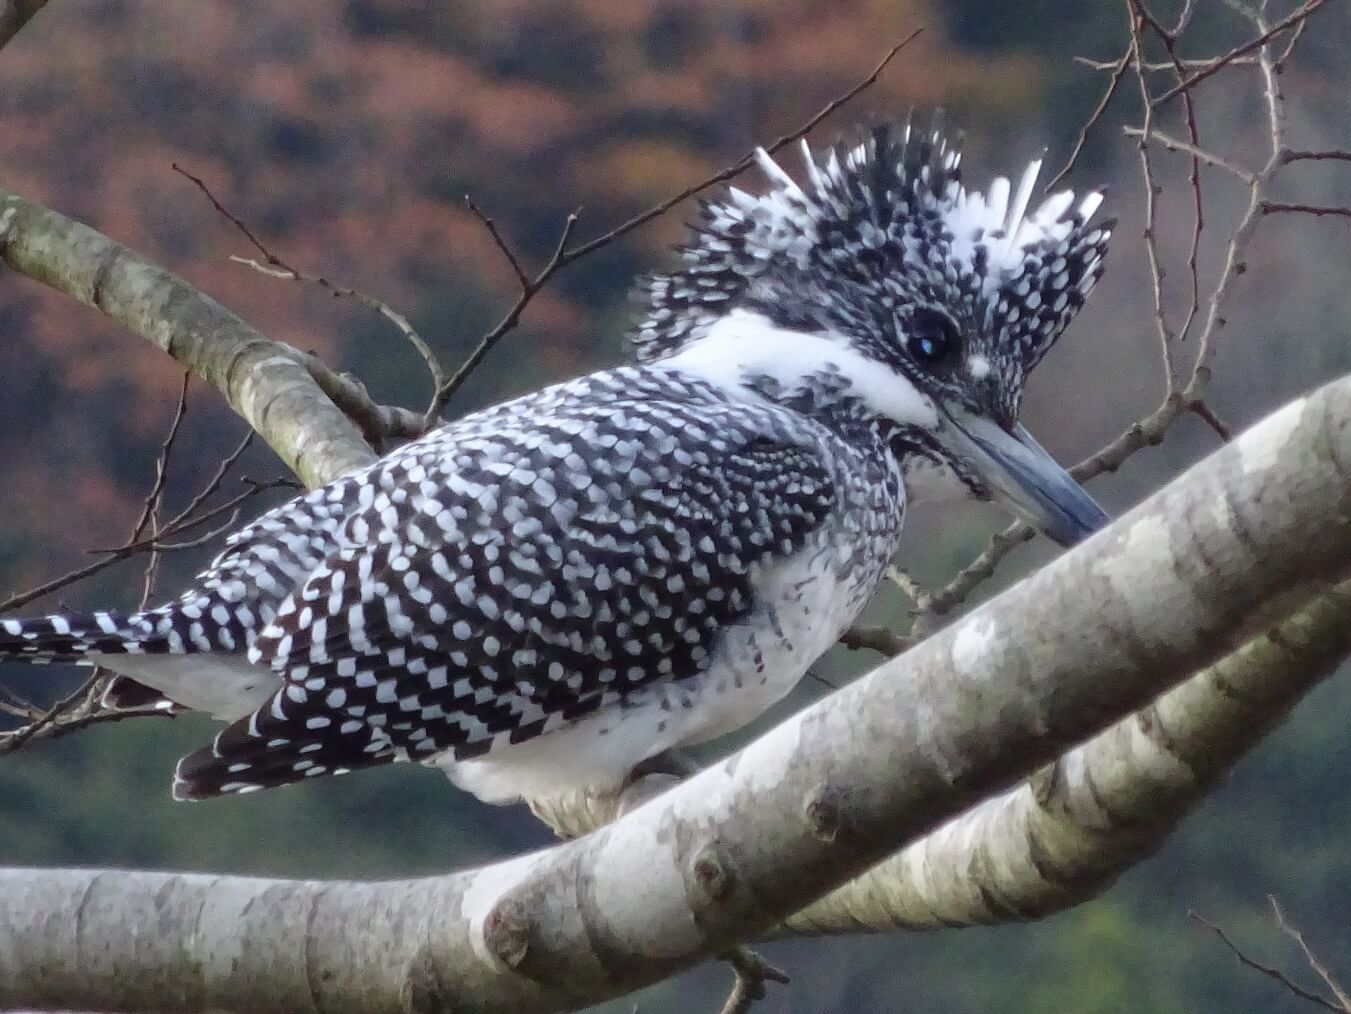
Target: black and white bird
(542,595)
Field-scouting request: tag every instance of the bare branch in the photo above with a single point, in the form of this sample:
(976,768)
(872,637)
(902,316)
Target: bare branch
(1318,211)
(261,380)
(1295,18)
(1332,155)
(1319,968)
(485,345)
(564,254)
(879,639)
(1152,189)
(1118,69)
(1267,970)
(746,161)
(274,267)
(1209,158)
(742,845)
(502,244)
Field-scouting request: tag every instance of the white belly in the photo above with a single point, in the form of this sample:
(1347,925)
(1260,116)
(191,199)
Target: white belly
(805,605)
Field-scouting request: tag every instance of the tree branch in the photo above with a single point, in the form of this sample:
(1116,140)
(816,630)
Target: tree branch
(1169,588)
(266,382)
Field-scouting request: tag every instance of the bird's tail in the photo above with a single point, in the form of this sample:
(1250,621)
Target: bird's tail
(284,741)
(74,637)
(84,638)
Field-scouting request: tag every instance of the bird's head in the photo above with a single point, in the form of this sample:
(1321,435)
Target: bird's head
(881,286)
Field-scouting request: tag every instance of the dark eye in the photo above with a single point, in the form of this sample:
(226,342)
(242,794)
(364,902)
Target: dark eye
(931,337)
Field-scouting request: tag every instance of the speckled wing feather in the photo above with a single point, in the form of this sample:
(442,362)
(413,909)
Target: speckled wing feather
(508,577)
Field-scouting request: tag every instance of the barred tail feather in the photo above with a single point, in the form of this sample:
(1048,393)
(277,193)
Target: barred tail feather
(274,746)
(174,656)
(73,638)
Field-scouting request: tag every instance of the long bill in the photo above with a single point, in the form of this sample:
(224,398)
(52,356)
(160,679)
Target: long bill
(1020,472)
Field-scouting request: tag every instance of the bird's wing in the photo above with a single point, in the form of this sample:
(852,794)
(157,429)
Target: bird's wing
(503,583)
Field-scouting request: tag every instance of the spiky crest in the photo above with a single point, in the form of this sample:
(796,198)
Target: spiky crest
(885,223)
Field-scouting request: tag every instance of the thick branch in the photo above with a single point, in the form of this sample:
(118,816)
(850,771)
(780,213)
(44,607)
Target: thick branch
(1169,588)
(264,381)
(1068,832)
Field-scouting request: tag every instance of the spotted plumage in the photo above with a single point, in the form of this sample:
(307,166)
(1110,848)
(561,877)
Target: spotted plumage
(541,595)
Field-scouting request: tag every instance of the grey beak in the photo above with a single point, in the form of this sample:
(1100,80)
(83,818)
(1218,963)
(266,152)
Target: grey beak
(1028,480)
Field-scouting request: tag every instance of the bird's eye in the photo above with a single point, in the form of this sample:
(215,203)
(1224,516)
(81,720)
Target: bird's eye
(931,337)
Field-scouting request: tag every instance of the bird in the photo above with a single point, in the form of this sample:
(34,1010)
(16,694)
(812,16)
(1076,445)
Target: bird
(543,595)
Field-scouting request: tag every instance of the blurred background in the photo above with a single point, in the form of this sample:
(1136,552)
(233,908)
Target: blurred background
(348,133)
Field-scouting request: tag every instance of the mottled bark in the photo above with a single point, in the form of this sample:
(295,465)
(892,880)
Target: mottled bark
(1064,835)
(266,382)
(1067,833)
(1242,539)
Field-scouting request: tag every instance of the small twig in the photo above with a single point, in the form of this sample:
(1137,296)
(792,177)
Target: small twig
(502,245)
(1207,414)
(1118,69)
(752,972)
(378,423)
(1267,970)
(1156,66)
(1296,18)
(1169,37)
(178,527)
(944,600)
(201,540)
(1138,20)
(1209,158)
(275,267)
(907,584)
(1289,156)
(150,514)
(564,254)
(1319,968)
(509,321)
(123,552)
(1317,210)
(743,163)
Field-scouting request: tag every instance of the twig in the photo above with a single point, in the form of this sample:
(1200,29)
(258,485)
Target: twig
(275,267)
(502,245)
(1296,18)
(564,254)
(1267,970)
(486,343)
(1156,66)
(951,595)
(1317,210)
(378,423)
(1209,158)
(150,514)
(1169,36)
(743,163)
(752,972)
(1118,69)
(1289,156)
(1207,414)
(121,553)
(1319,968)
(1138,21)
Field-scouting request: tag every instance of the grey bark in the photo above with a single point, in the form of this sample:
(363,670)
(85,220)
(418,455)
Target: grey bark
(1243,538)
(267,383)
